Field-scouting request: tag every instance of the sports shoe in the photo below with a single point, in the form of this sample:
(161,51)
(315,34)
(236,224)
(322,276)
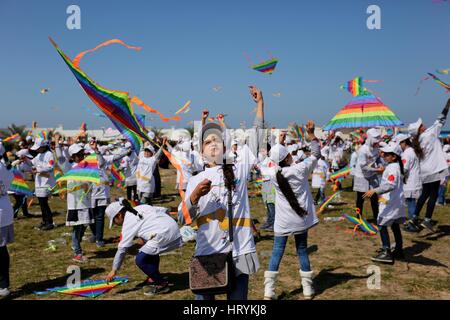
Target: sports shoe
(427,225)
(80,258)
(100,244)
(156,289)
(47,227)
(411,227)
(4,292)
(384,256)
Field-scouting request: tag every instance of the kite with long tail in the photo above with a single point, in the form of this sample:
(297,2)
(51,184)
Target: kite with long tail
(439,81)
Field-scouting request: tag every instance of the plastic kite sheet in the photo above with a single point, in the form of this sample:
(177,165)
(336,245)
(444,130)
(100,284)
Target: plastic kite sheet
(364,112)
(361,224)
(341,174)
(267,67)
(326,202)
(18,184)
(86,170)
(88,288)
(13,138)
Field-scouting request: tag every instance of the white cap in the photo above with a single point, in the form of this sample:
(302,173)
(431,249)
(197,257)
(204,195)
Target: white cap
(292,148)
(413,128)
(278,153)
(151,135)
(446,148)
(392,147)
(128,145)
(374,133)
(234,142)
(401,137)
(150,147)
(38,143)
(29,138)
(74,149)
(113,210)
(24,153)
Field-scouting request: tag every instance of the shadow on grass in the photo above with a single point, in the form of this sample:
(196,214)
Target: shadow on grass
(30,288)
(326,279)
(412,255)
(177,282)
(111,252)
(441,231)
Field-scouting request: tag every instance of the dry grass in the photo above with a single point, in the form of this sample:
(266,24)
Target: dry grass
(339,259)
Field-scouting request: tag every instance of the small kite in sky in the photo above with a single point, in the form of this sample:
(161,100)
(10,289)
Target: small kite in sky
(44,90)
(217,88)
(443,71)
(277,94)
(266,66)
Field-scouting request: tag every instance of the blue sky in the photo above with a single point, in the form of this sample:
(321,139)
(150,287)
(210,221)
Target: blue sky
(191,46)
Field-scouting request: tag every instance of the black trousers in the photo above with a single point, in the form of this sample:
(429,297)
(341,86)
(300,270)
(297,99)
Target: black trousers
(132,193)
(384,234)
(157,177)
(47,217)
(4,268)
(373,203)
(430,192)
(21,202)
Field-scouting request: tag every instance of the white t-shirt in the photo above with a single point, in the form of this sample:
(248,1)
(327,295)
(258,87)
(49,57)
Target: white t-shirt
(286,219)
(319,175)
(411,167)
(129,167)
(144,172)
(157,228)
(210,237)
(45,178)
(392,204)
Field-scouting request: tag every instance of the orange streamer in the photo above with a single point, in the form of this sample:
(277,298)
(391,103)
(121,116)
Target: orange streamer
(140,103)
(184,209)
(76,60)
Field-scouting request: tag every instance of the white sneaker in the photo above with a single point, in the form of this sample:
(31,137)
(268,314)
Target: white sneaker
(4,292)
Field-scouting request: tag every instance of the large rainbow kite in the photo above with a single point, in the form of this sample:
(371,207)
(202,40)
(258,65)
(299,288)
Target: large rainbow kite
(86,170)
(13,138)
(87,288)
(362,112)
(18,184)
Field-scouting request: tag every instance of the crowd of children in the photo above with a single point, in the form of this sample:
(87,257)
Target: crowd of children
(397,173)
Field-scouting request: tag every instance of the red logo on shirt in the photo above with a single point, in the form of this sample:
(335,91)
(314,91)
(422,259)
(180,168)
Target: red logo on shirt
(391,178)
(404,161)
(51,162)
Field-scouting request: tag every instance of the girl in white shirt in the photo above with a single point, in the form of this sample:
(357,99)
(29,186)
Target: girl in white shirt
(433,164)
(392,209)
(206,199)
(294,211)
(156,228)
(23,165)
(413,186)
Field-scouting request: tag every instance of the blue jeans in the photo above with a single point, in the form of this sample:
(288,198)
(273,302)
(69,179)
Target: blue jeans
(442,191)
(77,236)
(279,244)
(384,234)
(270,214)
(98,226)
(149,264)
(239,291)
(411,204)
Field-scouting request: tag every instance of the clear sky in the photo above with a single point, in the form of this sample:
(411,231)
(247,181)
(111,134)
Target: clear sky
(189,47)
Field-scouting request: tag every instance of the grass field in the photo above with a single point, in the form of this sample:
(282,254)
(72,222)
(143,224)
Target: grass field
(339,259)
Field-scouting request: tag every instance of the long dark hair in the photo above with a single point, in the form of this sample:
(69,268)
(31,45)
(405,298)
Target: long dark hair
(398,159)
(287,191)
(415,144)
(228,176)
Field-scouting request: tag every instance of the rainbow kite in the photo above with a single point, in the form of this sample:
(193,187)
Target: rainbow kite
(183,109)
(363,112)
(439,81)
(443,71)
(116,174)
(361,224)
(13,138)
(341,174)
(86,170)
(88,288)
(355,87)
(326,202)
(267,66)
(18,184)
